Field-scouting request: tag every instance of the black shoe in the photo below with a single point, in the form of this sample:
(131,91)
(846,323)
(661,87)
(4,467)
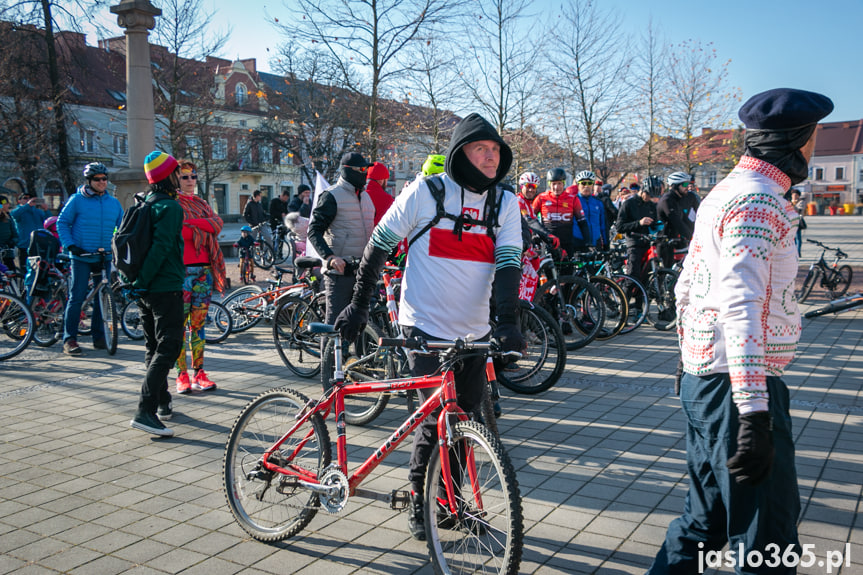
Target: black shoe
(150,423)
(165,412)
(416,523)
(497,410)
(100,344)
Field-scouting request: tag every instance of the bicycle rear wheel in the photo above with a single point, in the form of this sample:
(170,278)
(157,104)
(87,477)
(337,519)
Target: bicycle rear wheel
(49,321)
(362,361)
(218,325)
(662,313)
(267,505)
(486,535)
(543,363)
(583,313)
(299,349)
(130,320)
(263,254)
(109,318)
(808,283)
(841,281)
(636,301)
(616,308)
(16,326)
(245,314)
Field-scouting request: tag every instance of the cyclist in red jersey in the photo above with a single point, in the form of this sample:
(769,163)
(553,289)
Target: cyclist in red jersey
(558,210)
(528,183)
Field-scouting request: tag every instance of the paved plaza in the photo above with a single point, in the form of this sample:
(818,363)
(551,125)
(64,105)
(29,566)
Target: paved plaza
(600,459)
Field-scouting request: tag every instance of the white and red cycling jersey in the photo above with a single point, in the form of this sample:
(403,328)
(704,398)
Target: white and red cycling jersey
(525,207)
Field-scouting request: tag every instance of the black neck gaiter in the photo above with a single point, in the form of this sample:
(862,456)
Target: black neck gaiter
(353,177)
(781,148)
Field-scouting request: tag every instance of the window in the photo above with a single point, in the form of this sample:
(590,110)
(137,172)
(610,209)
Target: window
(819,173)
(193,147)
(241,94)
(284,157)
(217,119)
(711,178)
(242,123)
(88,140)
(220,149)
(120,144)
(840,172)
(244,153)
(265,153)
(860,177)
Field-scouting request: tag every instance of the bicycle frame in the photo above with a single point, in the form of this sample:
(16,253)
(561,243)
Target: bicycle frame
(445,396)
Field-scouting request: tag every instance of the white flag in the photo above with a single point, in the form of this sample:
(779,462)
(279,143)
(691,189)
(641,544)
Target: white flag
(320,186)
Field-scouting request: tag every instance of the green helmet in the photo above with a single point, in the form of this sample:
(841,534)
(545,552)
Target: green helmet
(433,165)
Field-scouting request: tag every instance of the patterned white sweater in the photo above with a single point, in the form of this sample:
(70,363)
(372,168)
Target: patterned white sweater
(735,296)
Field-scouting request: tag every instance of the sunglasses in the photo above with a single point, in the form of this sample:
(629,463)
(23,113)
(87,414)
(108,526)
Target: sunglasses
(189,177)
(102,179)
(585,183)
(531,186)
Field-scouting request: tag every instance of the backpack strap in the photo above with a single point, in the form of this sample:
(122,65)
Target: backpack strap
(437,189)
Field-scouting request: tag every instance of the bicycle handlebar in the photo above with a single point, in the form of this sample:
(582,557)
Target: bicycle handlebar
(421,344)
(838,251)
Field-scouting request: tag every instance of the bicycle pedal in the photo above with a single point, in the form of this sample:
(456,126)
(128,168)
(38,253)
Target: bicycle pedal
(400,499)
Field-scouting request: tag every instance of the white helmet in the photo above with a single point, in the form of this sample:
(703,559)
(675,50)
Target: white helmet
(528,178)
(679,178)
(585,175)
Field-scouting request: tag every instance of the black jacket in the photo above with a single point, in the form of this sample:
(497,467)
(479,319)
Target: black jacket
(254,213)
(675,212)
(631,212)
(278,209)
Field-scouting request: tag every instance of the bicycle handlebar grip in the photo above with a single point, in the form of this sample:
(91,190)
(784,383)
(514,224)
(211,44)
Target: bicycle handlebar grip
(410,343)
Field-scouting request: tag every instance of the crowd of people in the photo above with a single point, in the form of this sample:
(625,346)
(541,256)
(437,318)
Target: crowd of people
(465,234)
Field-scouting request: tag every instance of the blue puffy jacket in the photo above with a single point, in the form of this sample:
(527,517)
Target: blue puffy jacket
(594,213)
(89,222)
(28,218)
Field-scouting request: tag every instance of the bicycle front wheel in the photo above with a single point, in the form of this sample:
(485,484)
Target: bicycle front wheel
(218,325)
(486,533)
(109,318)
(362,361)
(267,505)
(543,362)
(662,313)
(130,320)
(583,312)
(808,283)
(299,349)
(16,326)
(246,310)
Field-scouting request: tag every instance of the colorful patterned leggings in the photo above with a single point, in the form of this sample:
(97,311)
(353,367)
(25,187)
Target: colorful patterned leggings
(197,290)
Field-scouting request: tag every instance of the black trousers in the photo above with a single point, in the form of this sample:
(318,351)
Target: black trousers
(162,320)
(634,267)
(338,290)
(469,381)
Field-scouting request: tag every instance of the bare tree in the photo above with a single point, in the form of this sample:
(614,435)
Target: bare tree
(432,81)
(649,81)
(366,35)
(591,59)
(502,58)
(46,16)
(185,102)
(697,97)
(312,116)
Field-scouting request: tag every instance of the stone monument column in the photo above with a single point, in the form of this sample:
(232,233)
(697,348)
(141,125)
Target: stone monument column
(137,18)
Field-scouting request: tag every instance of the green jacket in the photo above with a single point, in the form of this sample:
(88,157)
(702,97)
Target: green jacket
(163,268)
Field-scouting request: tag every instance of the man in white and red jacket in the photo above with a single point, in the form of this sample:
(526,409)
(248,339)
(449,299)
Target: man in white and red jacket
(739,326)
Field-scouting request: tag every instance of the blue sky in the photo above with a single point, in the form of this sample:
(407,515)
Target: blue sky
(812,45)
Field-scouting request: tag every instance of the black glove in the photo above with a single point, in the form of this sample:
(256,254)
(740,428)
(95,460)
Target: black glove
(74,250)
(753,461)
(510,337)
(352,321)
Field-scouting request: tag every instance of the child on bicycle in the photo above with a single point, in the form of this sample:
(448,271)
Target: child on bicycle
(245,244)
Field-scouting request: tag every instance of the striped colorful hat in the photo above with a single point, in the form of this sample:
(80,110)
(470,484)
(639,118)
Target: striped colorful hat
(158,166)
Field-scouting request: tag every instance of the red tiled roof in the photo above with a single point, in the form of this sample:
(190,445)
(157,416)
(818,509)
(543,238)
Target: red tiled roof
(839,138)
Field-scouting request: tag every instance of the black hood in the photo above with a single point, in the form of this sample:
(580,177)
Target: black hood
(458,167)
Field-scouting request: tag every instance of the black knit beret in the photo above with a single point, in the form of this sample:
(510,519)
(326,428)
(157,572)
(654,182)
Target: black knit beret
(784,109)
